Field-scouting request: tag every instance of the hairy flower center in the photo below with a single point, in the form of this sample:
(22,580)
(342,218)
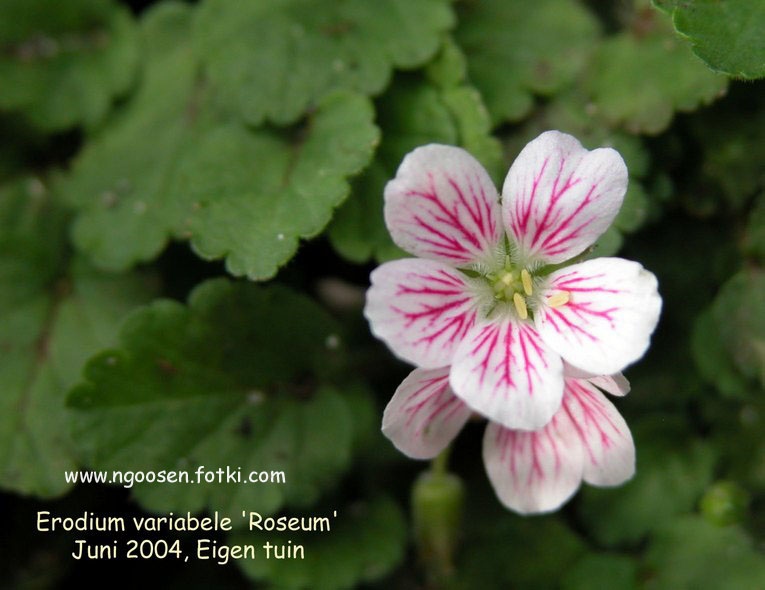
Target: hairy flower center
(512,285)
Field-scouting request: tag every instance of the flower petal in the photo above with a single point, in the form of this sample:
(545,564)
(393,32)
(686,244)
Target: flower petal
(608,449)
(616,384)
(503,370)
(443,205)
(533,472)
(558,198)
(421,309)
(607,323)
(587,439)
(423,416)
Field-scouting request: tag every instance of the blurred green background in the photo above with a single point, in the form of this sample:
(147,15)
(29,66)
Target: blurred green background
(190,206)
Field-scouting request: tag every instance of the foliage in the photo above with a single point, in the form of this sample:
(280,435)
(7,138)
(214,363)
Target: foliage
(191,199)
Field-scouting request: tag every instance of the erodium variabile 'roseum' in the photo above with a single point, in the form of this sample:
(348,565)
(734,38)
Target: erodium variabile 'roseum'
(488,295)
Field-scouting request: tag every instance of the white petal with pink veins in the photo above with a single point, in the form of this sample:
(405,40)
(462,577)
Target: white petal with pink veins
(421,308)
(424,415)
(587,439)
(616,384)
(533,472)
(606,324)
(608,450)
(503,370)
(558,197)
(443,205)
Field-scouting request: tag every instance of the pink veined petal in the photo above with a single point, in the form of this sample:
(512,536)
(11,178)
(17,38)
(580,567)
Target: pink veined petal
(421,309)
(616,384)
(423,416)
(533,472)
(608,449)
(612,311)
(503,370)
(558,197)
(443,205)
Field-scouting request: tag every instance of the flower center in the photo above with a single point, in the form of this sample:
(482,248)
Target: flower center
(512,285)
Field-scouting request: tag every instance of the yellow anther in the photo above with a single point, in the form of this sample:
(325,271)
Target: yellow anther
(526,280)
(520,306)
(560,298)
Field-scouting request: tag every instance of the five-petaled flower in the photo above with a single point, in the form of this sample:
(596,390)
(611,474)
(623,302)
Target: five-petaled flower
(488,296)
(532,472)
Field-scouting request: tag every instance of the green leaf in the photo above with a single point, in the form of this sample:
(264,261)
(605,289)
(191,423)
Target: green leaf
(641,76)
(672,473)
(518,49)
(156,172)
(602,570)
(727,35)
(713,361)
(54,314)
(228,380)
(275,59)
(413,112)
(739,313)
(366,541)
(692,553)
(62,64)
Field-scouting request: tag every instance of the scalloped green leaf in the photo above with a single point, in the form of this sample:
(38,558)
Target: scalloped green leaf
(62,64)
(727,35)
(640,77)
(53,315)
(173,166)
(516,50)
(412,113)
(275,59)
(690,552)
(231,379)
(367,540)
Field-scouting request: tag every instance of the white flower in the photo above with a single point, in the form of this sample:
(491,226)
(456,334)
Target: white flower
(488,296)
(531,472)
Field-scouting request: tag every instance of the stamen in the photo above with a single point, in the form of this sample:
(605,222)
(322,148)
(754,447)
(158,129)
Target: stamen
(560,298)
(526,280)
(520,306)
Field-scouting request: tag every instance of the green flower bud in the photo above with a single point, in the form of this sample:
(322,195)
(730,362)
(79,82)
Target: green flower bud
(724,503)
(437,502)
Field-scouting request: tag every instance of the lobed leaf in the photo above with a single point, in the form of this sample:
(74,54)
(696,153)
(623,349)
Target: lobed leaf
(173,166)
(54,314)
(276,59)
(227,380)
(62,64)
